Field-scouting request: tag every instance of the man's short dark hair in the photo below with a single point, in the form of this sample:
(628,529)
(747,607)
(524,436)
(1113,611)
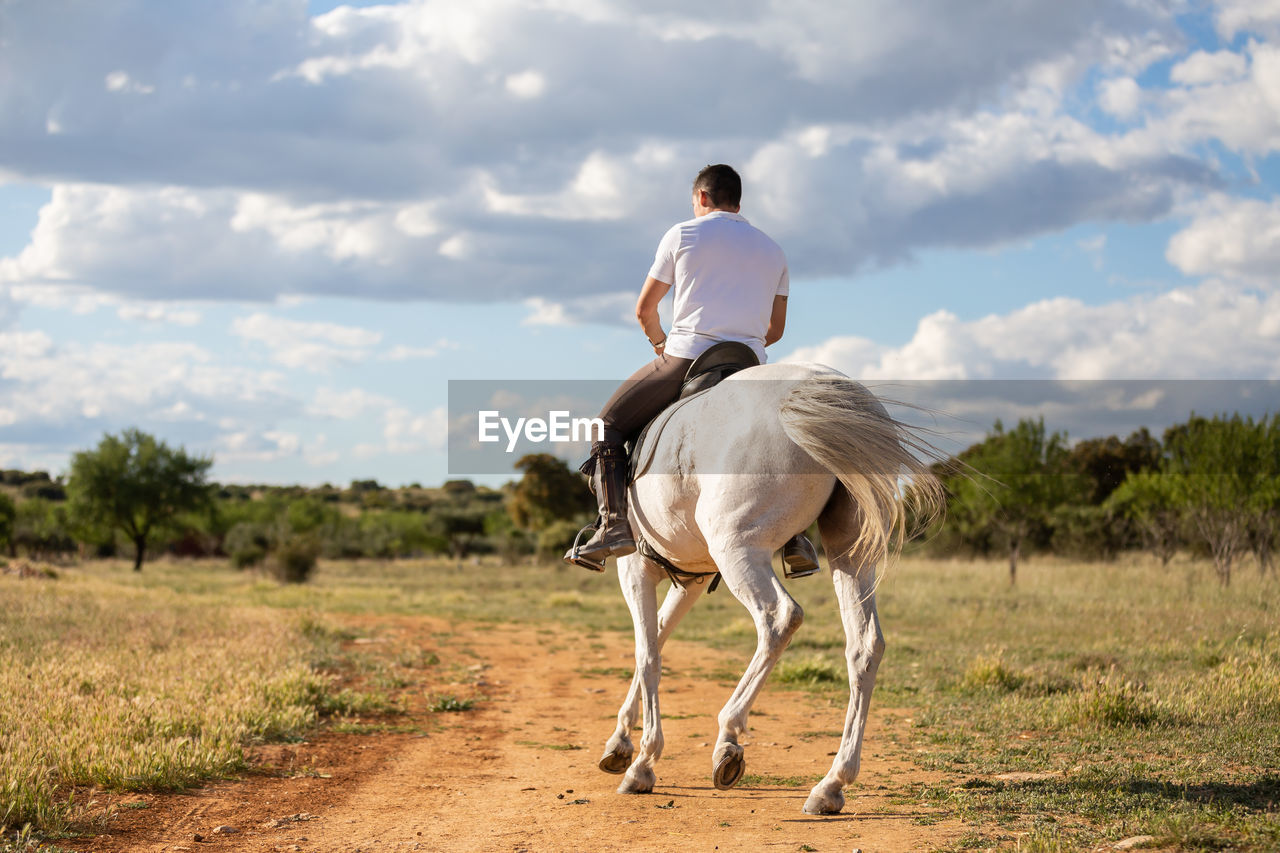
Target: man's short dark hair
(722,185)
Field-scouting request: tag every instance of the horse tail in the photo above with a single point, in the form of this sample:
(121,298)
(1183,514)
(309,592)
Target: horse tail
(882,462)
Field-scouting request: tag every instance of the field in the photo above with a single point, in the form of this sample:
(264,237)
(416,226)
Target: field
(1092,703)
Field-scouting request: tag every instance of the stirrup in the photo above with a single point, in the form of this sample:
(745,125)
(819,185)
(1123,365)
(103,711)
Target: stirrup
(802,565)
(790,573)
(576,559)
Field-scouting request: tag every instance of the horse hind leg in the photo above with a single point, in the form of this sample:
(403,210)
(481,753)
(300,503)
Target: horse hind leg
(618,750)
(864,647)
(748,574)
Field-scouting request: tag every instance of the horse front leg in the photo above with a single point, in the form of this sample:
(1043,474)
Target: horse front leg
(749,575)
(864,647)
(618,750)
(640,589)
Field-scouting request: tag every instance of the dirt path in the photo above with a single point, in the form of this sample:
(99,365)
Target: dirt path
(518,772)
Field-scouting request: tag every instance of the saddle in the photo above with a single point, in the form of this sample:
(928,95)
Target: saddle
(713,366)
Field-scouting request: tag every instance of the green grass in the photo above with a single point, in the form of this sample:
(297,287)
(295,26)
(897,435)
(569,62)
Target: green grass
(450,704)
(810,673)
(558,747)
(755,780)
(1148,698)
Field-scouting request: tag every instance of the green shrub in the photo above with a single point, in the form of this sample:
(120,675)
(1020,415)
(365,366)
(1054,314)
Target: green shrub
(986,673)
(557,537)
(811,672)
(295,559)
(1108,703)
(247,544)
(443,704)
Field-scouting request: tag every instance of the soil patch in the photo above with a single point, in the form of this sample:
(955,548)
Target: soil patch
(516,772)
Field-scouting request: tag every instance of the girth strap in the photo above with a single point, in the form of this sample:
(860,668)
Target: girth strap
(678,575)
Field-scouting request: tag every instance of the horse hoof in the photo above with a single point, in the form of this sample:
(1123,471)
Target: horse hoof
(821,803)
(638,782)
(729,766)
(615,762)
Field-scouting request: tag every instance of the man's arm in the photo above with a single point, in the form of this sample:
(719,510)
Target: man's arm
(777,321)
(647,312)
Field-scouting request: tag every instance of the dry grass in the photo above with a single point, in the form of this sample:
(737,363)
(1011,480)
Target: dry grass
(128,689)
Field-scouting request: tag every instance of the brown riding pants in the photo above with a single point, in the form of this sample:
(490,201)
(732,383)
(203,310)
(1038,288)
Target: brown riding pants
(638,400)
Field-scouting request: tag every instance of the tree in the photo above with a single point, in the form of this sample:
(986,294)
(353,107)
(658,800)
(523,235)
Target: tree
(1214,466)
(41,529)
(1021,478)
(1263,506)
(1147,500)
(548,492)
(1104,463)
(461,526)
(8,512)
(138,485)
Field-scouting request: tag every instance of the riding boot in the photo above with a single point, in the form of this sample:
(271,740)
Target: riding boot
(613,533)
(799,557)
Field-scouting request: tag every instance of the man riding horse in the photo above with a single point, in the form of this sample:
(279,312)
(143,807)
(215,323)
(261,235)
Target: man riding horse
(731,284)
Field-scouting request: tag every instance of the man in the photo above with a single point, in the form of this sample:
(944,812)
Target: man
(731,284)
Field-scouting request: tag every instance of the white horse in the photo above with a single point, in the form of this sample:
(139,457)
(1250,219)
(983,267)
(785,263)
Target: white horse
(731,475)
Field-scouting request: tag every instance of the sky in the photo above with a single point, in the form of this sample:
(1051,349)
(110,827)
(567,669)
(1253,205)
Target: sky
(271,231)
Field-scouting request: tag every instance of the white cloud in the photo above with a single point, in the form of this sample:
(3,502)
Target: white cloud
(608,308)
(407,432)
(1240,112)
(65,395)
(314,346)
(400,352)
(1202,67)
(1211,331)
(457,247)
(158,313)
(8,309)
(1237,16)
(972,181)
(526,84)
(318,454)
(599,191)
(1120,96)
(347,404)
(473,146)
(250,445)
(120,81)
(1230,237)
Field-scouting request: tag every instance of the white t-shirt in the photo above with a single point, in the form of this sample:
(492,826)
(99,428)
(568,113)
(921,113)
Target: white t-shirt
(725,273)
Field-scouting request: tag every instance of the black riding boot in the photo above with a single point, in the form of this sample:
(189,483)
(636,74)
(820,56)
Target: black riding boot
(613,534)
(799,557)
